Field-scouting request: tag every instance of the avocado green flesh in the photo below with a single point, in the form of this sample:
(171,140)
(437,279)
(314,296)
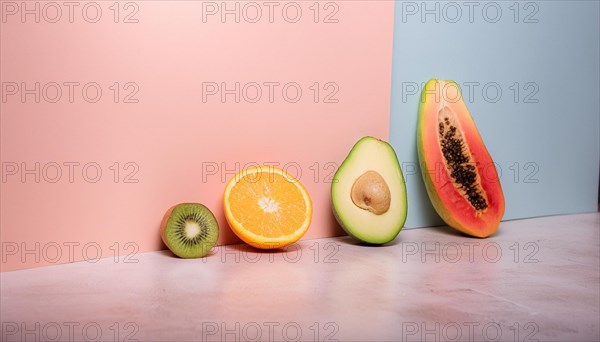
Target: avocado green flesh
(370,154)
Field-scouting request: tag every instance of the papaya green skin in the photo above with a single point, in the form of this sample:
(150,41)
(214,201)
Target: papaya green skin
(445,213)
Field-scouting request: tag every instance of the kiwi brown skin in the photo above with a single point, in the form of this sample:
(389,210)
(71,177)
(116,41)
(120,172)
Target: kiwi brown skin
(163,226)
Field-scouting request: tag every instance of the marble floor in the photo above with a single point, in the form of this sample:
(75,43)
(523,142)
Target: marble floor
(536,280)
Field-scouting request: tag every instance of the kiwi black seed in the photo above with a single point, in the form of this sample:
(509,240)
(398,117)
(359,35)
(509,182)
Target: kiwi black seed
(190,230)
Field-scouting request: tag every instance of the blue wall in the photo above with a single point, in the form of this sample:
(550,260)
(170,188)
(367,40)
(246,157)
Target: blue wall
(530,74)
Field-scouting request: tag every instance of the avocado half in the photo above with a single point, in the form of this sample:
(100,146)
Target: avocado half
(368,192)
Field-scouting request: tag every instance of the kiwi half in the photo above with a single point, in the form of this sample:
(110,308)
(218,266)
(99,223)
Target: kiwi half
(190,230)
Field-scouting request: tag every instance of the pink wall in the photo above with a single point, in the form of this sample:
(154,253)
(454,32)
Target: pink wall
(175,143)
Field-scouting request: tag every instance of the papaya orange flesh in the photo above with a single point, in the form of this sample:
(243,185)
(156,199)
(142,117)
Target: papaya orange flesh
(458,171)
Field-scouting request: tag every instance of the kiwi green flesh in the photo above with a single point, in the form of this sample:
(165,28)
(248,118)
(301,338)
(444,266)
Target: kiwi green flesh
(191,230)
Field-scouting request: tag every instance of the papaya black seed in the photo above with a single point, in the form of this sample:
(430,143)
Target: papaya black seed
(461,168)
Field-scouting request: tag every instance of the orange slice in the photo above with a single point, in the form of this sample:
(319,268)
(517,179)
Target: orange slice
(266,207)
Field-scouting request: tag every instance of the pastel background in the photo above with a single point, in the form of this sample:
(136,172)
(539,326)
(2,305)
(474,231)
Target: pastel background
(180,147)
(173,145)
(543,136)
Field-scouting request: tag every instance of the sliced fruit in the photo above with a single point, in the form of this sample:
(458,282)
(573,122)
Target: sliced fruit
(368,192)
(190,230)
(267,208)
(459,174)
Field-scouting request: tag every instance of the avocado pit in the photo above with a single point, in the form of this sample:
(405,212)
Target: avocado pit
(371,192)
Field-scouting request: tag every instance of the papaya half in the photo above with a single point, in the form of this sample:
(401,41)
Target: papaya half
(458,171)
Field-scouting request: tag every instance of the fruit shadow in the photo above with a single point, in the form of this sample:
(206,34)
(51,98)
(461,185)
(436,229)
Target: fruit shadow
(447,230)
(242,247)
(167,253)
